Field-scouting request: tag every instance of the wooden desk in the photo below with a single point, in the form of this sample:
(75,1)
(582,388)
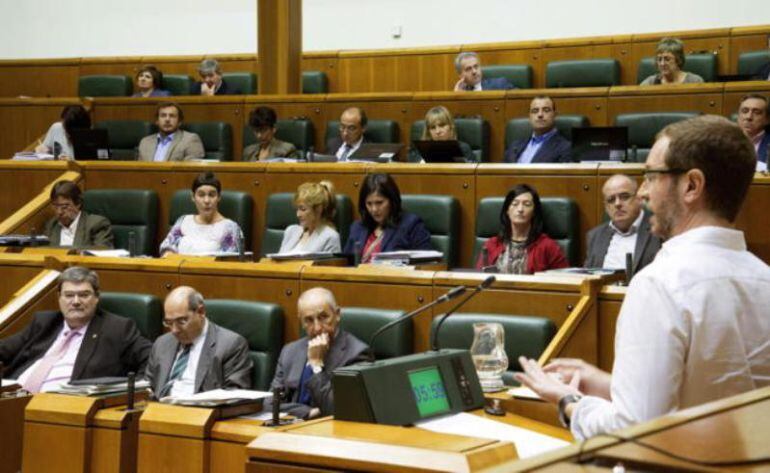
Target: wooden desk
(12,428)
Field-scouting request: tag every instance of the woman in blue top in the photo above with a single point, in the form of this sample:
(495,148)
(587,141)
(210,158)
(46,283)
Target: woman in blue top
(384,226)
(148,83)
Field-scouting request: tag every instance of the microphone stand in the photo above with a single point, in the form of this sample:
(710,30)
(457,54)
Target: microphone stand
(484,285)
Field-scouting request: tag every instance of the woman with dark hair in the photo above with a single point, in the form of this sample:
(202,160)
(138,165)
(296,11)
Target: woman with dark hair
(72,117)
(384,226)
(521,247)
(148,83)
(315,233)
(262,122)
(208,231)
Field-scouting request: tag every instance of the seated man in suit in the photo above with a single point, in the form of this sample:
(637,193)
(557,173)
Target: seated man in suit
(196,355)
(262,122)
(305,366)
(211,82)
(71,225)
(546,145)
(170,143)
(79,341)
(352,127)
(753,120)
(471,79)
(628,230)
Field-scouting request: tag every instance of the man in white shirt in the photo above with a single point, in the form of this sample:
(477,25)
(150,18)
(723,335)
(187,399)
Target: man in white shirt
(196,355)
(72,226)
(628,229)
(693,327)
(352,128)
(753,120)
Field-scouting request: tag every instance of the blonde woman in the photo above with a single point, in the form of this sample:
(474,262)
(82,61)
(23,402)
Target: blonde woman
(440,126)
(315,232)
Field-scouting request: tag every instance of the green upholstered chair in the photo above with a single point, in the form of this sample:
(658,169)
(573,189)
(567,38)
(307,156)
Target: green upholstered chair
(519,128)
(474,131)
(703,64)
(300,132)
(315,82)
(524,335)
(105,86)
(441,214)
(235,205)
(177,84)
(520,75)
(750,62)
(364,321)
(217,138)
(280,213)
(261,324)
(128,210)
(246,82)
(583,73)
(561,222)
(377,131)
(125,136)
(642,128)
(145,309)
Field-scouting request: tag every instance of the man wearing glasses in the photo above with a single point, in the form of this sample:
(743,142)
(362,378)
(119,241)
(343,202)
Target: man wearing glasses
(693,327)
(195,355)
(77,342)
(72,226)
(352,127)
(628,229)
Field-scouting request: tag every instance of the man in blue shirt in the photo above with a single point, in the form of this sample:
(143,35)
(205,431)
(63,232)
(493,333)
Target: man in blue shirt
(545,145)
(171,143)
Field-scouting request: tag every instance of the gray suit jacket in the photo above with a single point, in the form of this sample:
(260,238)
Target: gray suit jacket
(278,149)
(92,231)
(323,240)
(647,245)
(224,361)
(346,350)
(184,147)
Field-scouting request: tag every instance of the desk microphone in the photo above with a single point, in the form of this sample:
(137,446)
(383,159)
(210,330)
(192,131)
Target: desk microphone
(451,294)
(484,285)
(131,391)
(629,267)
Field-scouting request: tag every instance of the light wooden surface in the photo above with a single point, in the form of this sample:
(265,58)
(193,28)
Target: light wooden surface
(279,43)
(12,428)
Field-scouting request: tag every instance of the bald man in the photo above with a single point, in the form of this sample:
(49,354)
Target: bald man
(628,229)
(305,366)
(195,355)
(352,127)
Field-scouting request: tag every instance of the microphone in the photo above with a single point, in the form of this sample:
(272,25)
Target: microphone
(131,391)
(451,294)
(629,267)
(56,150)
(484,285)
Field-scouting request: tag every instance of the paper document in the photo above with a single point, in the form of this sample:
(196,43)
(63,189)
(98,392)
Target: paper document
(99,389)
(528,443)
(217,397)
(523,393)
(119,253)
(32,156)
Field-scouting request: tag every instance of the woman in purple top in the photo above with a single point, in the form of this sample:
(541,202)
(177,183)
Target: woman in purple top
(148,81)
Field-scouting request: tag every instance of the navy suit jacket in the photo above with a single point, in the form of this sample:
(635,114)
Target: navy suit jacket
(764,147)
(763,72)
(224,89)
(556,149)
(496,83)
(409,234)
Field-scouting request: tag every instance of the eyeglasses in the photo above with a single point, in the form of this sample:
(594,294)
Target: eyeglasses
(622,197)
(651,174)
(66,206)
(348,128)
(84,295)
(180,322)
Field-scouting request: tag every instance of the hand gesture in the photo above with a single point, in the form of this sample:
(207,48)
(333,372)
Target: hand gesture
(460,85)
(317,349)
(206,89)
(593,381)
(546,385)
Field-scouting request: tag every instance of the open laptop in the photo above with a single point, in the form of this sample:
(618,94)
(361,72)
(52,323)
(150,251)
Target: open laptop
(600,143)
(376,152)
(90,144)
(440,151)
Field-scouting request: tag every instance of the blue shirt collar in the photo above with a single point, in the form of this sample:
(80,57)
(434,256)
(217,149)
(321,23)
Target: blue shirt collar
(542,138)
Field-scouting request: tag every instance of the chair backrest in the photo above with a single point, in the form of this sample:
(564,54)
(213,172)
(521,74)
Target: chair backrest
(750,62)
(441,214)
(235,205)
(177,84)
(642,128)
(703,64)
(125,136)
(364,321)
(300,132)
(128,210)
(377,131)
(474,131)
(280,213)
(561,222)
(246,82)
(520,75)
(105,86)
(524,335)
(145,309)
(520,128)
(315,82)
(261,324)
(583,73)
(217,138)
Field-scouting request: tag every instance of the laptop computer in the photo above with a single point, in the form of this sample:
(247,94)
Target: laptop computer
(376,152)
(600,143)
(440,151)
(88,144)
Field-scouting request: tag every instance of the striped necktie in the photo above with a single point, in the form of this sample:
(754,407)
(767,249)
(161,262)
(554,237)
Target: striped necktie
(176,371)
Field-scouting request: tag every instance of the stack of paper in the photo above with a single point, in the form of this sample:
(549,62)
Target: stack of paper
(100,389)
(411,257)
(217,397)
(32,156)
(118,253)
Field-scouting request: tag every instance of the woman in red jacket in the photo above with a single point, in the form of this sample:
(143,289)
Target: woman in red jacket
(521,247)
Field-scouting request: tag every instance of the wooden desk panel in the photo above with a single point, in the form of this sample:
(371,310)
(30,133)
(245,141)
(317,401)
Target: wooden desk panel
(610,301)
(23,121)
(40,78)
(31,179)
(12,427)
(698,98)
(752,218)
(140,275)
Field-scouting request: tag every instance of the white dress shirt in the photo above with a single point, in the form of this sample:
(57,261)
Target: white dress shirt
(622,243)
(344,147)
(61,371)
(67,235)
(694,327)
(185,384)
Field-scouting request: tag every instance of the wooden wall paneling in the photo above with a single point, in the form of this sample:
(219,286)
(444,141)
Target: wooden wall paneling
(576,181)
(31,179)
(703,98)
(39,78)
(17,270)
(745,39)
(715,41)
(112,108)
(500,54)
(324,61)
(752,219)
(436,72)
(588,101)
(175,64)
(140,275)
(610,301)
(290,106)
(735,91)
(125,65)
(356,73)
(25,121)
